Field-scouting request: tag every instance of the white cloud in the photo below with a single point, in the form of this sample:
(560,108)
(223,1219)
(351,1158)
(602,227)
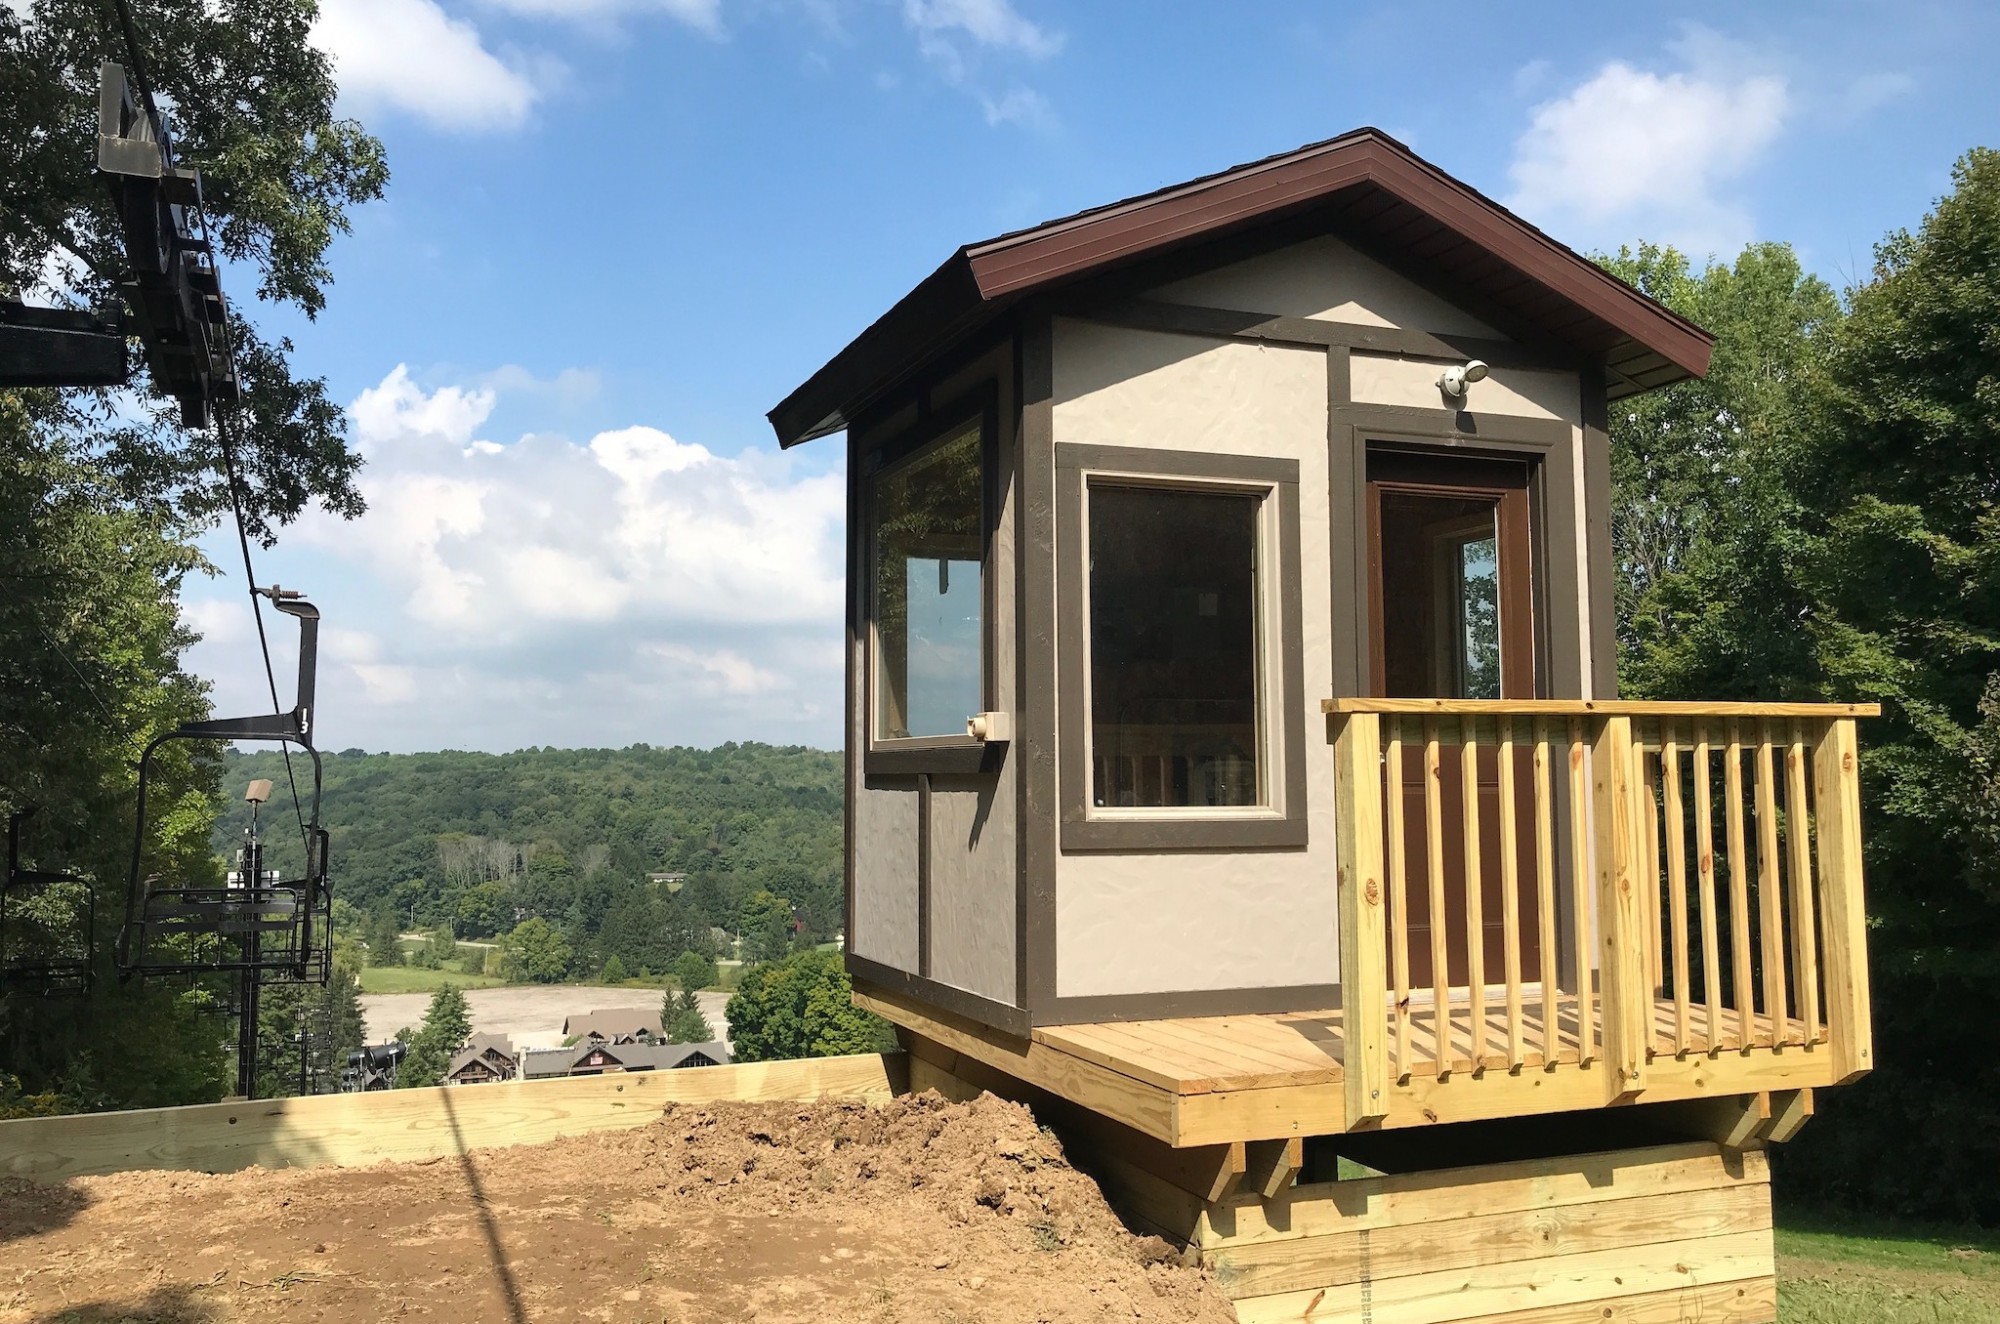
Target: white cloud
(1021,105)
(1635,154)
(409,55)
(993,23)
(702,15)
(632,588)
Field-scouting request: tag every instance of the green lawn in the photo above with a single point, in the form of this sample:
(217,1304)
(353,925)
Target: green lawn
(414,979)
(1850,1272)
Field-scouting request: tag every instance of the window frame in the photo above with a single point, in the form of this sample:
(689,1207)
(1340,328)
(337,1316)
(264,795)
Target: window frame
(948,754)
(1281,822)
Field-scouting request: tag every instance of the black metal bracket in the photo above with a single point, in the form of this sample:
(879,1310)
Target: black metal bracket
(61,346)
(172,286)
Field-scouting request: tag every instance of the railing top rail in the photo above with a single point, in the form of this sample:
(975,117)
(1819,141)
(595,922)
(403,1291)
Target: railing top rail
(1596,707)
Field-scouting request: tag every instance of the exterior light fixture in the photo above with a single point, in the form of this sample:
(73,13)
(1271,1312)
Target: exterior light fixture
(1455,379)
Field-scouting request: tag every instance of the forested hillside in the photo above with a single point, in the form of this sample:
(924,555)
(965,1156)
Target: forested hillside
(484,842)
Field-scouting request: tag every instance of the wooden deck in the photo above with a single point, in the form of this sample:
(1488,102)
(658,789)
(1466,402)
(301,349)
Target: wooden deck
(1222,1079)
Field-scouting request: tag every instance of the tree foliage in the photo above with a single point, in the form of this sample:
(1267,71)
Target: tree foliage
(1821,519)
(802,1006)
(681,1019)
(447,1025)
(692,970)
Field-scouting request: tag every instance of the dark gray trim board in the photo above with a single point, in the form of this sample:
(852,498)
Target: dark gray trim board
(998,1015)
(1035,732)
(1285,718)
(1279,329)
(1200,1002)
(1597,511)
(1548,444)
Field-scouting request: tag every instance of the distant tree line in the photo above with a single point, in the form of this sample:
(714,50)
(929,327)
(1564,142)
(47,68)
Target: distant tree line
(578,862)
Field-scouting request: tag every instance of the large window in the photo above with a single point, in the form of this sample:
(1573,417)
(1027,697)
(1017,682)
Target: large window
(1174,659)
(1178,650)
(928,591)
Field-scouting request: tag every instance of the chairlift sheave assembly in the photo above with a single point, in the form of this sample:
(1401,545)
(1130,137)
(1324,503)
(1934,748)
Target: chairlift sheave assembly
(278,927)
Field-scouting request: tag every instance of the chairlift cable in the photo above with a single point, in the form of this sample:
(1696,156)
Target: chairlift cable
(222,421)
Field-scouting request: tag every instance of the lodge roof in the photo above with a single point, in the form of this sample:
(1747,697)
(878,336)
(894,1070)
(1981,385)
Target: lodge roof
(1363,185)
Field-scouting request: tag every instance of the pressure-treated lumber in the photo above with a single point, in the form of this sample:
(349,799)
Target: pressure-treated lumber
(1843,917)
(352,1129)
(1357,753)
(1598,707)
(1621,943)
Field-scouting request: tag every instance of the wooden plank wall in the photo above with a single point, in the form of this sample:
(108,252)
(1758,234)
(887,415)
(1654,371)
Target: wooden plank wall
(354,1129)
(1678,1232)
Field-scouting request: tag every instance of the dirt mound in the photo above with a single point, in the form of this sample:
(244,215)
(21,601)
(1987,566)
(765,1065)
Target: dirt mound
(922,1210)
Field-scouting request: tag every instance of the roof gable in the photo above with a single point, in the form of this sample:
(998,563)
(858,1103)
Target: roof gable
(1364,186)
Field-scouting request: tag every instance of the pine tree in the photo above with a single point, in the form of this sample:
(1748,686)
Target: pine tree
(681,1014)
(447,1025)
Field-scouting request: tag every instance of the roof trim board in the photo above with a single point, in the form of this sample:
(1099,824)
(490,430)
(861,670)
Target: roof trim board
(1578,301)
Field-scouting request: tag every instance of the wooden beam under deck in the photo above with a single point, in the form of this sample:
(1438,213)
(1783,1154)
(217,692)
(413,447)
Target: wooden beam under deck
(1226,1079)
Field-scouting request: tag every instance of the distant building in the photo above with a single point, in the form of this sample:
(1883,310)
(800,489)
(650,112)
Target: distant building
(624,1025)
(484,1059)
(673,882)
(600,1058)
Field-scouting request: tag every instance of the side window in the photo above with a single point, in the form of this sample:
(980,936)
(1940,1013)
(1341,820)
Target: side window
(927,590)
(1179,664)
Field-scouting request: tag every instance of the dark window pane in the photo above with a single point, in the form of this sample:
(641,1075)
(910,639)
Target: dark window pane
(928,595)
(1173,647)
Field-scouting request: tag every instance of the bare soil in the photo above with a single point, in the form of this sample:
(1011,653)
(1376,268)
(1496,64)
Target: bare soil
(919,1211)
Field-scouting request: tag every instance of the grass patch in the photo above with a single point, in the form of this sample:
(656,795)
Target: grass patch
(1863,1271)
(415,979)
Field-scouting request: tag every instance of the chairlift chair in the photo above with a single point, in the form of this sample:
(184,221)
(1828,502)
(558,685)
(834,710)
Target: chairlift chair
(47,943)
(280,928)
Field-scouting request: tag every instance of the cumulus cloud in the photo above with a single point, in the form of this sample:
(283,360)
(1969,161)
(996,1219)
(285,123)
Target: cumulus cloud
(410,56)
(633,587)
(1633,153)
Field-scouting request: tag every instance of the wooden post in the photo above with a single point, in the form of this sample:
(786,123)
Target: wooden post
(1843,914)
(1364,976)
(1621,910)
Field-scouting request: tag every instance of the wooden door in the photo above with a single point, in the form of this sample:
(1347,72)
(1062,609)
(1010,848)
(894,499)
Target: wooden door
(1452,616)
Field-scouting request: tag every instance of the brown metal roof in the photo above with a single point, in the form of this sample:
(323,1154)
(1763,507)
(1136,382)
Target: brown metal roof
(1364,185)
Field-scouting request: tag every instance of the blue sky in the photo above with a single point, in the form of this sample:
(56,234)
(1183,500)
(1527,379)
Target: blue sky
(620,230)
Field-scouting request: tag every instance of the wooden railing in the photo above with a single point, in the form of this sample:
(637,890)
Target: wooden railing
(1526,884)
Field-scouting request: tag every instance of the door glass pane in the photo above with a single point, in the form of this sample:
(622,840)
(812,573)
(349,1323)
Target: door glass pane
(928,594)
(1174,703)
(1440,596)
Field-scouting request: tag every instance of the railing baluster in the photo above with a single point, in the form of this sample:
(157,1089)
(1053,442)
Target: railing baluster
(1434,866)
(1580,884)
(1677,901)
(1649,876)
(1770,889)
(1798,844)
(1399,892)
(1704,869)
(1475,900)
(1510,893)
(1548,959)
(1739,890)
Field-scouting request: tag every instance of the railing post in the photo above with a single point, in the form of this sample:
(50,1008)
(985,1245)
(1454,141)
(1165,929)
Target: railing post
(1364,977)
(1843,913)
(1627,1002)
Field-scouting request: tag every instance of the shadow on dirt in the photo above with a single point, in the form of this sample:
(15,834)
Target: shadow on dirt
(29,1208)
(163,1305)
